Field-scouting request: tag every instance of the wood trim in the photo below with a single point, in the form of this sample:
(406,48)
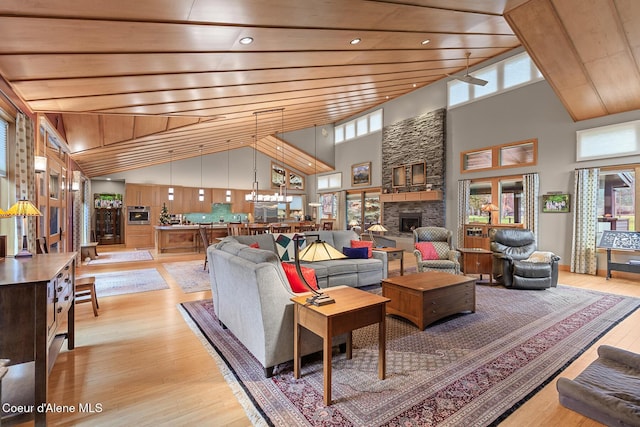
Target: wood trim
(495,156)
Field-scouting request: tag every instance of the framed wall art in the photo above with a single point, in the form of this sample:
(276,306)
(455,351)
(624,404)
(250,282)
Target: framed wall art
(556,203)
(296,182)
(278,176)
(419,173)
(361,174)
(399,176)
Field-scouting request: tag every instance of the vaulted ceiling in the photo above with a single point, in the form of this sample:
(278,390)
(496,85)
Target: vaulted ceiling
(132,80)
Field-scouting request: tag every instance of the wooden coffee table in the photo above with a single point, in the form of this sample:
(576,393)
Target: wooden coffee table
(423,298)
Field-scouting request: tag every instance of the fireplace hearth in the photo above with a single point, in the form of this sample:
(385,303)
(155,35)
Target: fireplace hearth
(409,221)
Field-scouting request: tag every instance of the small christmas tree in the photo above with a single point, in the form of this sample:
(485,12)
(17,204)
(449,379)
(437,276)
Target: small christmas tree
(164,215)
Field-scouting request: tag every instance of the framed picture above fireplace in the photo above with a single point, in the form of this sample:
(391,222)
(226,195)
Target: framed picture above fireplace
(399,176)
(419,173)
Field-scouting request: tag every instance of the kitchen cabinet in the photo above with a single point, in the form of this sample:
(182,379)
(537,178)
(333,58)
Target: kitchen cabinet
(139,195)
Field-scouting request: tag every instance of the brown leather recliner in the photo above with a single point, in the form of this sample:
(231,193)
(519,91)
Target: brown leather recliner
(517,263)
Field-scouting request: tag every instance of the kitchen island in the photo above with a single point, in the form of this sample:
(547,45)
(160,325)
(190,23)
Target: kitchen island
(185,238)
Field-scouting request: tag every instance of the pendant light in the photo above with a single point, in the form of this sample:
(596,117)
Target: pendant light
(315,167)
(227,196)
(201,190)
(253,196)
(282,192)
(170,175)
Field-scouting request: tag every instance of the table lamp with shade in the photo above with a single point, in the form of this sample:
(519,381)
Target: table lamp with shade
(23,208)
(378,228)
(317,250)
(490,207)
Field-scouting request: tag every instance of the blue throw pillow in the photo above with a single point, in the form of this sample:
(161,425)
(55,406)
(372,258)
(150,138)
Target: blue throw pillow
(356,253)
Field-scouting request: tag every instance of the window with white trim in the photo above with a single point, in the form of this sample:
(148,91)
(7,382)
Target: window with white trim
(329,182)
(603,142)
(508,74)
(360,126)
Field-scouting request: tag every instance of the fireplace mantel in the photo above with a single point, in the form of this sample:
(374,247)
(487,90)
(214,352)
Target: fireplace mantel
(413,196)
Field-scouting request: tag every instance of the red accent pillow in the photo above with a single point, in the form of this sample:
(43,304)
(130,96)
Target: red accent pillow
(254,245)
(427,250)
(363,244)
(294,280)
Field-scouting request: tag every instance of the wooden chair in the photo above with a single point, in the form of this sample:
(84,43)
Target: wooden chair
(258,229)
(237,229)
(204,235)
(327,225)
(306,227)
(41,245)
(86,292)
(279,228)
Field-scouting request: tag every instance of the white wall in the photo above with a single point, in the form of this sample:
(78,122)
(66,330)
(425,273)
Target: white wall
(533,111)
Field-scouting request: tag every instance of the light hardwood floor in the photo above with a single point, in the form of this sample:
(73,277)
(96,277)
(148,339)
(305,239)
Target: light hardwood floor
(140,361)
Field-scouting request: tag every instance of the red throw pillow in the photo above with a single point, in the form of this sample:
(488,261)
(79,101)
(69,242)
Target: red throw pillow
(254,245)
(427,250)
(294,280)
(363,244)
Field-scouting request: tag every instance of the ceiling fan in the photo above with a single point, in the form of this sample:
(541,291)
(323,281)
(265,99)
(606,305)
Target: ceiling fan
(467,78)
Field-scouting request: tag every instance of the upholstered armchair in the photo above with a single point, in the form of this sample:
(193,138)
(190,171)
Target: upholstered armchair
(517,263)
(433,250)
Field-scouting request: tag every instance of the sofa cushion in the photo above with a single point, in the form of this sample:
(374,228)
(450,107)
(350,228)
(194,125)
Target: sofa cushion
(337,266)
(361,244)
(258,256)
(427,250)
(355,253)
(294,280)
(231,246)
(285,245)
(368,264)
(265,240)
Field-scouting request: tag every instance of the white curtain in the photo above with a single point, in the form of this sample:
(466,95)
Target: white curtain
(341,217)
(464,193)
(531,188)
(585,203)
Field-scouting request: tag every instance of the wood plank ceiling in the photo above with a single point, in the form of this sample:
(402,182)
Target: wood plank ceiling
(135,79)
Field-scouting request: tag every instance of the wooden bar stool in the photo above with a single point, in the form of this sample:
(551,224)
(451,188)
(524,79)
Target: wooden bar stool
(86,292)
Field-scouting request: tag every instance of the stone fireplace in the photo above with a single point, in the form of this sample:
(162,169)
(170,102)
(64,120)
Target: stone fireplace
(408,221)
(405,143)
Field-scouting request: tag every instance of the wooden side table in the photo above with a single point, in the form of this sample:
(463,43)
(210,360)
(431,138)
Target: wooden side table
(477,261)
(392,255)
(353,309)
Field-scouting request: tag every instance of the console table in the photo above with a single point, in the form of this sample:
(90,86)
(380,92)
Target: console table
(620,240)
(36,316)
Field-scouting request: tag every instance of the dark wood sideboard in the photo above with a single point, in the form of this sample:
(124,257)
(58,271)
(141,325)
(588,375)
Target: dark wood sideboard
(36,317)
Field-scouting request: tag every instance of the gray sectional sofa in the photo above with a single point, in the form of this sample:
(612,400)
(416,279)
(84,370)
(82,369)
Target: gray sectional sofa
(251,294)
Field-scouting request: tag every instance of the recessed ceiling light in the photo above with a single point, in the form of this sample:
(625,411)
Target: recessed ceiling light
(425,41)
(387,97)
(309,163)
(246,40)
(355,41)
(415,85)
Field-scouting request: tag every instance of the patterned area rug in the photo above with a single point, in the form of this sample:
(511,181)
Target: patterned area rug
(189,275)
(470,369)
(120,256)
(129,282)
